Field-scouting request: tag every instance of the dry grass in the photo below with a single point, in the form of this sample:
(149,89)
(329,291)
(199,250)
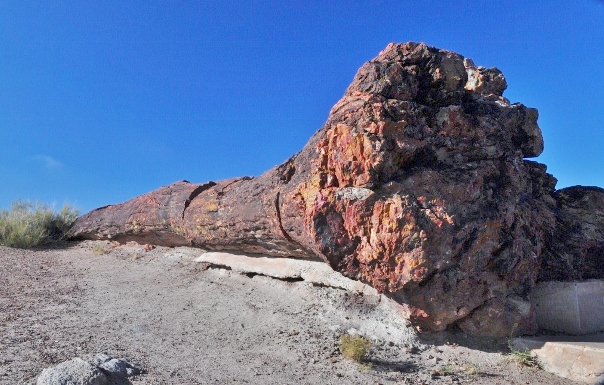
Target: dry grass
(354,347)
(99,250)
(447,370)
(524,358)
(28,225)
(521,357)
(471,369)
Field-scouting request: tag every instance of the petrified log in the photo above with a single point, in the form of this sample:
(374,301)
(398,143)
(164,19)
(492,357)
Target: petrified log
(417,184)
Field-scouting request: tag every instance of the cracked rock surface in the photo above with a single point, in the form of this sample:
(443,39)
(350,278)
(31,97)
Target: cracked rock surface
(418,184)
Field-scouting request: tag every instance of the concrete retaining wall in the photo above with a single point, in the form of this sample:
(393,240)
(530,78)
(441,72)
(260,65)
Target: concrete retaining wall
(570,307)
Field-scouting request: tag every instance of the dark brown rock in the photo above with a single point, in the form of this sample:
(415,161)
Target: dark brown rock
(416,184)
(501,317)
(576,251)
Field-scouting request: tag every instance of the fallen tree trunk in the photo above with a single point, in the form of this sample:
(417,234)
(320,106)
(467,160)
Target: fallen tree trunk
(237,214)
(416,184)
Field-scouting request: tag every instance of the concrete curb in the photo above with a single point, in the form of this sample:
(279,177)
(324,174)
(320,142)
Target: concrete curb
(576,358)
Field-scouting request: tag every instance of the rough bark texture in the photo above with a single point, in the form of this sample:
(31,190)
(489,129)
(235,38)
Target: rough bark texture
(416,184)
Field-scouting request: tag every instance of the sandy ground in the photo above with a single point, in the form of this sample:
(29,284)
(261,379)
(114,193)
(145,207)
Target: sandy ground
(186,323)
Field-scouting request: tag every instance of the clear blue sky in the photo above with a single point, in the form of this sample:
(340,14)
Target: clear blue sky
(101,101)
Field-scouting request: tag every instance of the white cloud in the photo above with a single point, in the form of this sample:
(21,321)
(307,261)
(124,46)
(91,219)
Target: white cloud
(48,162)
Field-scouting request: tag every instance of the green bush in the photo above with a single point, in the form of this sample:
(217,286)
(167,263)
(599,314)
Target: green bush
(33,224)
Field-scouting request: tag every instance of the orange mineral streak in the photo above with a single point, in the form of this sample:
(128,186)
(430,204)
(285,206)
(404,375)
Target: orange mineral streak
(307,192)
(435,209)
(349,156)
(344,160)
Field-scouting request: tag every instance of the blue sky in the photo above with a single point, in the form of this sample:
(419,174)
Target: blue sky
(101,101)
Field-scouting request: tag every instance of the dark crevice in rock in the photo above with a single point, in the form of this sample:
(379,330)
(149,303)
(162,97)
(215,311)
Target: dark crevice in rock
(218,266)
(428,279)
(317,284)
(278,211)
(471,313)
(232,182)
(195,193)
(252,274)
(287,171)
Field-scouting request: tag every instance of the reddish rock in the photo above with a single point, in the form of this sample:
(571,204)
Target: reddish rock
(417,184)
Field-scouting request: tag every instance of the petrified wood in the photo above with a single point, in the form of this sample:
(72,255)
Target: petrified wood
(417,184)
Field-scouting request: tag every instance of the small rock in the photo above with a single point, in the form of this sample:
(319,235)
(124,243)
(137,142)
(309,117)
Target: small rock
(412,350)
(120,368)
(101,370)
(101,358)
(74,371)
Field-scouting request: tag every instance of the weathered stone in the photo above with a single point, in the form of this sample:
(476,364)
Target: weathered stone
(115,367)
(315,272)
(501,317)
(101,370)
(73,372)
(576,251)
(416,184)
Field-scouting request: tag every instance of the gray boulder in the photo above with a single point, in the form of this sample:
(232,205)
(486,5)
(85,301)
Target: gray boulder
(73,372)
(102,369)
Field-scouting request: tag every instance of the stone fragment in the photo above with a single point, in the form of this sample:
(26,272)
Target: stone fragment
(116,368)
(73,372)
(501,317)
(99,370)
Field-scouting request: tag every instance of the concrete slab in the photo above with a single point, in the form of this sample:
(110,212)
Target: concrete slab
(570,307)
(576,358)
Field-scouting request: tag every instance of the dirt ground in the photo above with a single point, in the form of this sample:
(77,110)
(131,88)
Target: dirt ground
(186,323)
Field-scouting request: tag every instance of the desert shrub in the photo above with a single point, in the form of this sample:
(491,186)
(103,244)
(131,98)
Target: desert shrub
(99,250)
(354,347)
(521,357)
(447,370)
(471,369)
(28,224)
(524,358)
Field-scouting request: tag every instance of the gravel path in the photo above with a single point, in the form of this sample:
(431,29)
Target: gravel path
(185,323)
